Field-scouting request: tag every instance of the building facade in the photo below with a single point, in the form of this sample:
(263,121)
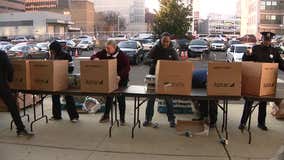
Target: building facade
(12,6)
(219,24)
(83,15)
(48,5)
(133,11)
(81,11)
(40,24)
(262,15)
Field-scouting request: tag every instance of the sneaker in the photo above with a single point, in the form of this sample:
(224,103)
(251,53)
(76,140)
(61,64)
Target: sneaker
(147,123)
(104,119)
(262,127)
(74,120)
(172,124)
(25,133)
(242,127)
(55,118)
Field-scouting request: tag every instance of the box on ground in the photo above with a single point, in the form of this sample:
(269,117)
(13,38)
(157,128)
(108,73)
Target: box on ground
(259,79)
(174,77)
(98,76)
(192,128)
(21,77)
(224,79)
(50,75)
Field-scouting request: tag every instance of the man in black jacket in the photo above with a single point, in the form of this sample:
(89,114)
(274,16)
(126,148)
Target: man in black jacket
(265,53)
(162,51)
(6,75)
(58,53)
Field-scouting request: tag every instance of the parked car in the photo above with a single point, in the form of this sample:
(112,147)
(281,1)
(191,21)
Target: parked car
(85,45)
(233,42)
(248,38)
(235,52)
(147,44)
(44,46)
(218,45)
(197,47)
(133,50)
(5,46)
(213,37)
(27,51)
(19,39)
(120,37)
(183,44)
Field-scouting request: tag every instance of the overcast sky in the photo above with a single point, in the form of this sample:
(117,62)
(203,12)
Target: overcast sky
(227,7)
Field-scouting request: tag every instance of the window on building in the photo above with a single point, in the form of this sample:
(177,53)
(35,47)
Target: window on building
(274,3)
(273,18)
(268,3)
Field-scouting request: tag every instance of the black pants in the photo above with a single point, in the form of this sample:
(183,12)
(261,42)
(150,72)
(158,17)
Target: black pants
(213,110)
(121,101)
(8,98)
(121,104)
(261,112)
(70,107)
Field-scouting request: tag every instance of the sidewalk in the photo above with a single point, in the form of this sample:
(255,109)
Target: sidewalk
(88,140)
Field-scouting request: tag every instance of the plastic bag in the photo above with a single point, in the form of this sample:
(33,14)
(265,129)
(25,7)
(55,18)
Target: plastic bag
(91,105)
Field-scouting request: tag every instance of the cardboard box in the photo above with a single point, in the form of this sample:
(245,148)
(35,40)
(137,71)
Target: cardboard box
(174,77)
(224,79)
(50,75)
(259,79)
(21,78)
(98,76)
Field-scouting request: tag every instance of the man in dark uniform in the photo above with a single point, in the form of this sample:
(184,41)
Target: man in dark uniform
(58,53)
(112,51)
(266,53)
(162,51)
(199,80)
(6,75)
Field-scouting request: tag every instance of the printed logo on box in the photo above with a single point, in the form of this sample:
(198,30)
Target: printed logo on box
(173,84)
(268,85)
(227,85)
(41,81)
(94,82)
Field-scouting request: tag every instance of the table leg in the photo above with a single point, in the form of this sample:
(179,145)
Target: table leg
(138,113)
(226,118)
(249,128)
(115,111)
(111,120)
(134,120)
(223,123)
(42,111)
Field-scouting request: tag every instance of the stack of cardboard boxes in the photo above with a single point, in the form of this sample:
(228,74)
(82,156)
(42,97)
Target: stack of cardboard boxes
(38,75)
(224,79)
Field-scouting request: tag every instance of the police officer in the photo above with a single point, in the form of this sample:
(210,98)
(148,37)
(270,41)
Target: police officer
(6,75)
(264,52)
(162,51)
(59,54)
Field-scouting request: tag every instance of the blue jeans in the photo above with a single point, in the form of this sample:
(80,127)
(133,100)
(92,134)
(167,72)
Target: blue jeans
(150,109)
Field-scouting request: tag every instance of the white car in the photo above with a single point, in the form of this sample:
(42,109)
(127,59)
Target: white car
(218,45)
(5,46)
(120,37)
(235,53)
(20,39)
(85,45)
